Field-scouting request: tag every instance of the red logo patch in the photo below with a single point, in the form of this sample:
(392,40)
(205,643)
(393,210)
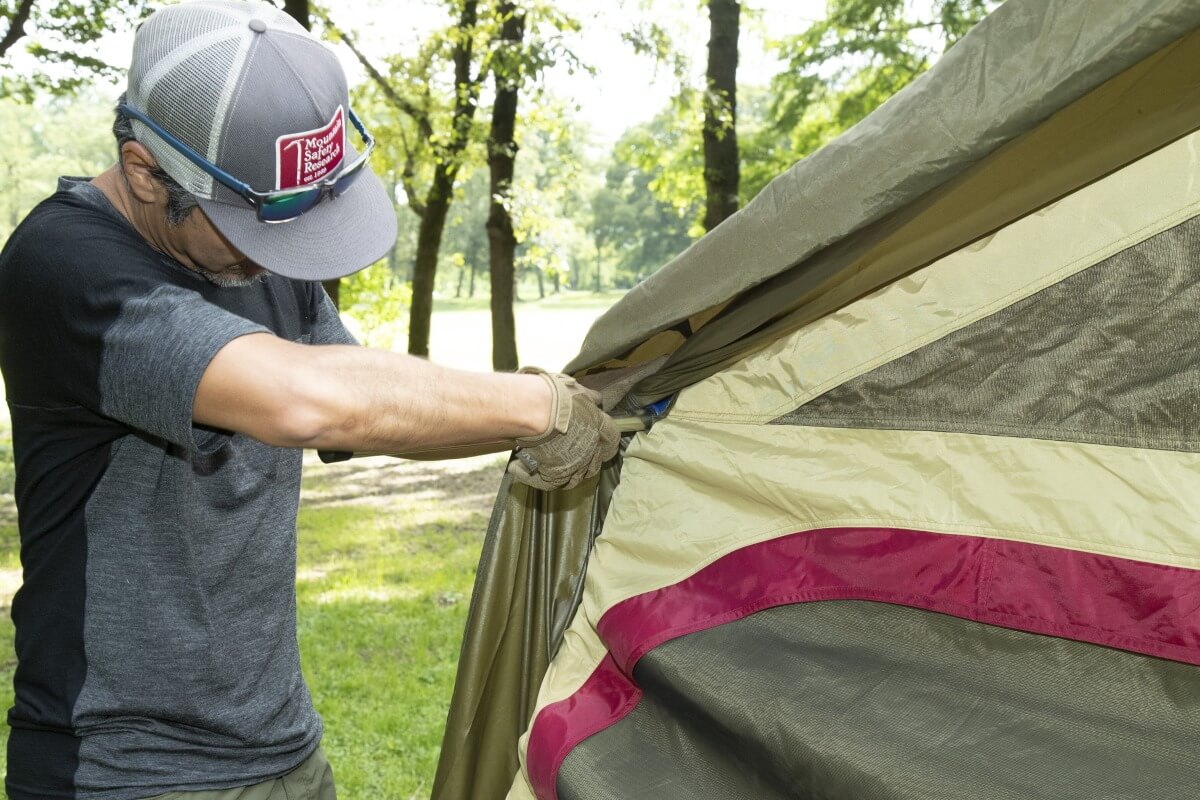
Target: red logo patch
(304,158)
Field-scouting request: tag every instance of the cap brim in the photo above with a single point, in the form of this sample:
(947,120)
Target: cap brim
(340,236)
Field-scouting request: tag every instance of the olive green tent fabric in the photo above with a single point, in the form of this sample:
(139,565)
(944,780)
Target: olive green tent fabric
(1023,63)
(526,592)
(854,699)
(1108,356)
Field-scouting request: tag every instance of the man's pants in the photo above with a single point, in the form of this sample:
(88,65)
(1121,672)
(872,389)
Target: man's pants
(312,780)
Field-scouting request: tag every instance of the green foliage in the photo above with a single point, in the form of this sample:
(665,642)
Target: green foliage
(669,152)
(52,137)
(552,193)
(649,209)
(61,35)
(375,299)
(844,67)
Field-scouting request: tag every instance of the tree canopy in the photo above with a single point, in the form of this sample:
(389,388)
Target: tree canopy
(578,217)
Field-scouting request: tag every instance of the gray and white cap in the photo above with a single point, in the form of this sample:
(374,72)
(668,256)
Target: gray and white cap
(244,85)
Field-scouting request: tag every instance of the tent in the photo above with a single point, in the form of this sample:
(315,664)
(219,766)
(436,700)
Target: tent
(922,520)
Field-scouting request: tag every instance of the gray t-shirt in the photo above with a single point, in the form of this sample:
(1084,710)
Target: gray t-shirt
(156,626)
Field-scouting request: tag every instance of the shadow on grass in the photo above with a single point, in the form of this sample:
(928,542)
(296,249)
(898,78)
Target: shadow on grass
(380,480)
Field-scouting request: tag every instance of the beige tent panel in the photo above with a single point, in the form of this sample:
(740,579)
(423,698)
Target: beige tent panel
(1127,207)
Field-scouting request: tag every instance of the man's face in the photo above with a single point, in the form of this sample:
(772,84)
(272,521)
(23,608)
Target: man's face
(211,254)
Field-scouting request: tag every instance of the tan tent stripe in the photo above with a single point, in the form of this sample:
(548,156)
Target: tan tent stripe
(1128,207)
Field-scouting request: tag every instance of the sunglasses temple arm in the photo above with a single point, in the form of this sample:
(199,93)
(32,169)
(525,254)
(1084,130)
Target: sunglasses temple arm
(187,152)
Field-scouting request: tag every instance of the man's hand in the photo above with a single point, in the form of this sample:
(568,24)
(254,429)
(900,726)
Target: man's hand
(577,442)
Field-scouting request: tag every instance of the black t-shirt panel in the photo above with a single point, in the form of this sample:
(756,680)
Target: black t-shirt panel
(157,611)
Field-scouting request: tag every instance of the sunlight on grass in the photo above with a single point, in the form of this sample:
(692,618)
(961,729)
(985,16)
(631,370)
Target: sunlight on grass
(382,603)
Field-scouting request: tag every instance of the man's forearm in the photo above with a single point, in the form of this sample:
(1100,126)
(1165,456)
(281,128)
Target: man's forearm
(375,401)
(336,397)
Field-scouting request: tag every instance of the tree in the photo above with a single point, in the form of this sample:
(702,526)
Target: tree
(67,135)
(502,155)
(61,35)
(633,226)
(435,139)
(552,194)
(299,11)
(846,65)
(721,170)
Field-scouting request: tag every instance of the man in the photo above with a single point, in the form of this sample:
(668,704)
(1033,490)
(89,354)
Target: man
(157,332)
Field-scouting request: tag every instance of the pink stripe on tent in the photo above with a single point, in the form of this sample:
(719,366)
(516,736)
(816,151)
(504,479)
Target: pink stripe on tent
(1129,605)
(604,699)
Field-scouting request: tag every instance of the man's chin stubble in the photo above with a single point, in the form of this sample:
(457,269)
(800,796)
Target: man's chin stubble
(232,278)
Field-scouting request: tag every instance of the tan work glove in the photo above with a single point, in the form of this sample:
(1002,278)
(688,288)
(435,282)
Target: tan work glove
(579,439)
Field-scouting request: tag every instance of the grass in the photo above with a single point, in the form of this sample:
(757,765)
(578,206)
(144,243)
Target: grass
(387,558)
(388,553)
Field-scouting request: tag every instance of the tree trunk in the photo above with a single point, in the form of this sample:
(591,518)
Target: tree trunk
(471,285)
(541,285)
(721,169)
(16,26)
(441,191)
(429,244)
(298,10)
(557,282)
(502,156)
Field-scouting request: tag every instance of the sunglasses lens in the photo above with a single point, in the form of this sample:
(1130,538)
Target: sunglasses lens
(348,178)
(288,206)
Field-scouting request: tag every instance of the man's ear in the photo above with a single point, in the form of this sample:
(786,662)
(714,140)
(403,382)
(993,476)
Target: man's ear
(138,165)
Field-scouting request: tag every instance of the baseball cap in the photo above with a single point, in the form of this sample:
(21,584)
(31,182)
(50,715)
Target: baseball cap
(247,87)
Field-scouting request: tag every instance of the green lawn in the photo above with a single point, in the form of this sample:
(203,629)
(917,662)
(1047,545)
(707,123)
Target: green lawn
(387,558)
(388,553)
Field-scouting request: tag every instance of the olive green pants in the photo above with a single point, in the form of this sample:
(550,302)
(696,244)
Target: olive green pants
(312,780)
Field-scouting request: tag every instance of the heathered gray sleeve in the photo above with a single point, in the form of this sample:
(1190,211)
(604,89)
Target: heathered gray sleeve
(154,355)
(328,328)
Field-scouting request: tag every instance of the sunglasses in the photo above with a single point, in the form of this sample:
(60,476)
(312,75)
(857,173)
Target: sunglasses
(283,205)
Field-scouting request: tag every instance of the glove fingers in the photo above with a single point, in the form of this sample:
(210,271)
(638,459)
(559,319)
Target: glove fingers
(578,453)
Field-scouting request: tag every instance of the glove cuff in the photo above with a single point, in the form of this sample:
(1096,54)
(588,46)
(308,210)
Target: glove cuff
(561,387)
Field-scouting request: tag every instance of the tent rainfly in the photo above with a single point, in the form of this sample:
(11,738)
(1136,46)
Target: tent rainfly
(924,518)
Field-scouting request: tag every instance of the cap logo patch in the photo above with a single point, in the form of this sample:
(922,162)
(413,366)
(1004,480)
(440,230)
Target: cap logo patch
(304,158)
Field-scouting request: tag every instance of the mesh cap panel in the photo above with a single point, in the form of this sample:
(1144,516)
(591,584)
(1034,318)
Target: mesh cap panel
(186,64)
(192,106)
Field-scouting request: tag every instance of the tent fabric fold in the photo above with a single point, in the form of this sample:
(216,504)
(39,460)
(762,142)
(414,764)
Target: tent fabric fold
(526,592)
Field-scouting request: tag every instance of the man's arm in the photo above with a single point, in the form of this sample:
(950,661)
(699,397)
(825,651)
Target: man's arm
(351,398)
